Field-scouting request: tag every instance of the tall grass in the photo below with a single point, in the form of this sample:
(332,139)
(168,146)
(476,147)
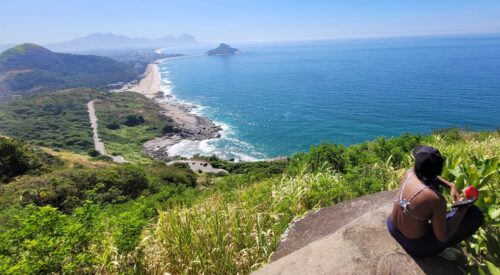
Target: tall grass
(476,161)
(238,234)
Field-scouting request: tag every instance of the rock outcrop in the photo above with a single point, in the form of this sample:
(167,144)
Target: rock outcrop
(223,49)
(361,246)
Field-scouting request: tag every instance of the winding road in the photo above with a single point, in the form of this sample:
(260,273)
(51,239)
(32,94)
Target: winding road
(99,145)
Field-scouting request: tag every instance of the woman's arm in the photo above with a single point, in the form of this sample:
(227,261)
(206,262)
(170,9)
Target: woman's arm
(444,229)
(455,195)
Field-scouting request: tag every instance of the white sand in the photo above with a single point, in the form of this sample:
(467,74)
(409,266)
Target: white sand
(149,85)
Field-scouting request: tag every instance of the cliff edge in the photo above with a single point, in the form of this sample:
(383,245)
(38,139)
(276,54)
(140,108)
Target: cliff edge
(363,245)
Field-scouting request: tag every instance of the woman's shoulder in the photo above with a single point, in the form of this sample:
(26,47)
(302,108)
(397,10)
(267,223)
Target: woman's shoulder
(431,196)
(408,173)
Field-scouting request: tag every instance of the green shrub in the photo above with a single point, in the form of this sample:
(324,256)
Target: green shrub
(167,129)
(94,153)
(133,120)
(175,175)
(15,159)
(129,226)
(70,188)
(46,241)
(113,125)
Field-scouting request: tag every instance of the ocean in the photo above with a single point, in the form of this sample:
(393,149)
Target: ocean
(277,99)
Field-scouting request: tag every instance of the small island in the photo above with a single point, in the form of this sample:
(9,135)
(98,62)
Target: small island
(223,49)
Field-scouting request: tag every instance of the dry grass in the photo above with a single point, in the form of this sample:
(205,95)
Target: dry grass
(72,160)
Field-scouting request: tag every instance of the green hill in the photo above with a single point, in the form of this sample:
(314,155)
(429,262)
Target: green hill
(29,68)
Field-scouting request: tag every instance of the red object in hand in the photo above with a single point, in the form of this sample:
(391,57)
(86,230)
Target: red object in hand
(471,192)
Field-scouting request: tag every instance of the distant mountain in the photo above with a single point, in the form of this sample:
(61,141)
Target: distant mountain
(112,41)
(223,49)
(29,68)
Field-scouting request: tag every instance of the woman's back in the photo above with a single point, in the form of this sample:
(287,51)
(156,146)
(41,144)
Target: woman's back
(418,204)
(414,221)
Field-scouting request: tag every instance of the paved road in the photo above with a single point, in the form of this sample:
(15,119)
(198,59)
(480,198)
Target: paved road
(99,145)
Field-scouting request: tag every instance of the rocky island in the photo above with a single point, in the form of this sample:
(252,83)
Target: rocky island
(223,49)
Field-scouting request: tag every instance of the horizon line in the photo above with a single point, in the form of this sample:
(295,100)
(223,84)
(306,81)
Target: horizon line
(356,37)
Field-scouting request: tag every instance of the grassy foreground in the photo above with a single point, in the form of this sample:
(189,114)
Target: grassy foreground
(221,225)
(238,233)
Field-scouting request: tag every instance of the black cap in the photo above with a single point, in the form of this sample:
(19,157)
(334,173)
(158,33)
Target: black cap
(428,162)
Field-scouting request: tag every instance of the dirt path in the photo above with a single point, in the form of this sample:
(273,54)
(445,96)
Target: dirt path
(197,165)
(99,145)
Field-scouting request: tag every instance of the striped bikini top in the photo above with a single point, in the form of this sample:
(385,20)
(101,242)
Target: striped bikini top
(405,203)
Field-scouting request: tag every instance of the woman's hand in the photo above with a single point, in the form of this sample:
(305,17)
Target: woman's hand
(455,195)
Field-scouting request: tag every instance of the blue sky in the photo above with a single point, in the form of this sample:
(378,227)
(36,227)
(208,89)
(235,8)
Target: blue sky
(221,20)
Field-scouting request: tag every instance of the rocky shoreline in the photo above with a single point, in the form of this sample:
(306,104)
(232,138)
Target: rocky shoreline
(186,125)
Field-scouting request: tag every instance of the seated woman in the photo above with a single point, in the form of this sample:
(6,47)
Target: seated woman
(419,221)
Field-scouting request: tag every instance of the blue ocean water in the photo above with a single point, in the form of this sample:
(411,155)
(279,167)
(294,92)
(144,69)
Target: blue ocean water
(278,99)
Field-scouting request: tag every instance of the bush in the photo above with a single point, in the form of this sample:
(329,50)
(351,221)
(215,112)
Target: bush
(113,125)
(94,153)
(129,227)
(319,157)
(133,120)
(46,241)
(167,129)
(178,176)
(15,159)
(68,189)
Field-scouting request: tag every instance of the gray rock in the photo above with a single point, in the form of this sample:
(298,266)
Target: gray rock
(362,246)
(326,221)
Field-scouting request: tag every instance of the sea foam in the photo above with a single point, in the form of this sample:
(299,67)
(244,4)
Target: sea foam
(228,146)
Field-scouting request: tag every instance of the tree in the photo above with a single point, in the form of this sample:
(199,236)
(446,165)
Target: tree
(133,120)
(15,159)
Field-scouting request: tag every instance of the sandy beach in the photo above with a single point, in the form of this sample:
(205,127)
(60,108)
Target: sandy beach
(186,125)
(149,84)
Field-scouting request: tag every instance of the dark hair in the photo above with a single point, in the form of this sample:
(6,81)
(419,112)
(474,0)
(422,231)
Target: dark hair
(428,162)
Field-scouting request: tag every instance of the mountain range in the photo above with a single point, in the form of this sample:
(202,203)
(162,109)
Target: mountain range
(29,68)
(113,41)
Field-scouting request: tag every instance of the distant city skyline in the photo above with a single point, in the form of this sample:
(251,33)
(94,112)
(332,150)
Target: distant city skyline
(243,21)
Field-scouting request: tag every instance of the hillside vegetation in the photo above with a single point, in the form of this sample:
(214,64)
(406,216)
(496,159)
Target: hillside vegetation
(60,120)
(70,215)
(29,68)
(57,120)
(127,121)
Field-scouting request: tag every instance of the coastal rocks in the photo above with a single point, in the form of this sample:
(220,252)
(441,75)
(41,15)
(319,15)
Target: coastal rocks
(187,126)
(223,49)
(360,246)
(157,147)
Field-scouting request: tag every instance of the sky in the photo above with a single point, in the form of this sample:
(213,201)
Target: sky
(243,21)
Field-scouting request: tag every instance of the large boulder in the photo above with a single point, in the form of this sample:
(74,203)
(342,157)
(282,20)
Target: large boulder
(361,246)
